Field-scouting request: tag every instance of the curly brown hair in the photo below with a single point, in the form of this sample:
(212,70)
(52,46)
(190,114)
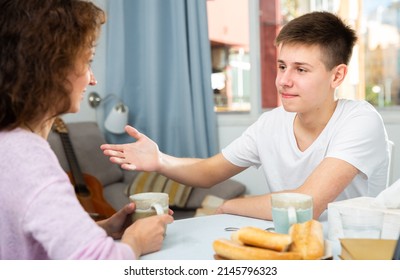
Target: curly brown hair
(40,44)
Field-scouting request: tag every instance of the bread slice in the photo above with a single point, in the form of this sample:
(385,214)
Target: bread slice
(231,250)
(307,239)
(264,239)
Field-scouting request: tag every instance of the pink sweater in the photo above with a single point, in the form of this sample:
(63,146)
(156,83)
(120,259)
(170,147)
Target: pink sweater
(40,216)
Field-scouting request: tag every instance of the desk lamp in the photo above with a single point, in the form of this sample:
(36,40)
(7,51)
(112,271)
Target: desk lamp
(117,119)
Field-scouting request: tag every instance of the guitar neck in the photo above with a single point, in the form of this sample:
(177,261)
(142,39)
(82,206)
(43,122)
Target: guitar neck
(87,188)
(80,185)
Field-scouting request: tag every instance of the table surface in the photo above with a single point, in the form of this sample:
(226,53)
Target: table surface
(192,238)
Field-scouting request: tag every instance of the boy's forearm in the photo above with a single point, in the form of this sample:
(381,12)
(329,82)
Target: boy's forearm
(253,206)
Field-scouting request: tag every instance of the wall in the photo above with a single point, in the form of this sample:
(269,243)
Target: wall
(391,118)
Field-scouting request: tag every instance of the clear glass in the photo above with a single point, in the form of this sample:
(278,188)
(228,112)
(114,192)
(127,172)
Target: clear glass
(360,223)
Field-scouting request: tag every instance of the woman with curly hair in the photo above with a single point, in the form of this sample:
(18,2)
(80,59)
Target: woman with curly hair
(46,48)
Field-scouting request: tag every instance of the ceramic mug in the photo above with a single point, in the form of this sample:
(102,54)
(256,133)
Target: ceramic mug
(149,204)
(289,209)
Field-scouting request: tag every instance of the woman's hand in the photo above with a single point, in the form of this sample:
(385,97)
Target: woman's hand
(141,155)
(147,235)
(117,223)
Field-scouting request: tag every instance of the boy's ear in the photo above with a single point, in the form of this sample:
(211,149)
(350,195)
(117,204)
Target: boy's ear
(339,73)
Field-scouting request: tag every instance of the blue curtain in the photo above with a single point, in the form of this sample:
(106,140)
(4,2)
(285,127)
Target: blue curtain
(159,63)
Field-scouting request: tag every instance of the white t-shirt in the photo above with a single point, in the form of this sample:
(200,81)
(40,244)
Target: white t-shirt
(355,133)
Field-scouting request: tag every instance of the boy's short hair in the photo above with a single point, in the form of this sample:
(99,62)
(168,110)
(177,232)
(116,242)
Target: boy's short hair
(323,29)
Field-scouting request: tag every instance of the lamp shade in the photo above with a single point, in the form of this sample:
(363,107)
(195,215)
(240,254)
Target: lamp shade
(117,119)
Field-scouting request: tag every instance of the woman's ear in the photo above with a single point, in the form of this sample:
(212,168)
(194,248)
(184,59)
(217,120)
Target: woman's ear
(338,75)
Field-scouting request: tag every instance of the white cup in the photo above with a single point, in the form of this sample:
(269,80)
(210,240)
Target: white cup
(149,204)
(289,209)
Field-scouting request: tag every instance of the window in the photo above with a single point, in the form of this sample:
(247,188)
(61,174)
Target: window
(380,31)
(229,38)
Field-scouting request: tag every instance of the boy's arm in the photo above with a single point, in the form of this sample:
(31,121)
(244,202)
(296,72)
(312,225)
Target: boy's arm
(199,172)
(324,184)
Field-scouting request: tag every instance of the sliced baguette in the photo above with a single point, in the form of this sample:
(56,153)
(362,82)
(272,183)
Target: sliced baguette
(308,239)
(264,239)
(231,250)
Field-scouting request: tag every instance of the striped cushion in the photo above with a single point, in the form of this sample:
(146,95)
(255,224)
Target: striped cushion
(154,182)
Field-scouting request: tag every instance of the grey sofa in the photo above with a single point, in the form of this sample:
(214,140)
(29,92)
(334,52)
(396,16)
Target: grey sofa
(86,139)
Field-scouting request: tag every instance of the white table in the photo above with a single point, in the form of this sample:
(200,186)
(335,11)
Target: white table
(192,238)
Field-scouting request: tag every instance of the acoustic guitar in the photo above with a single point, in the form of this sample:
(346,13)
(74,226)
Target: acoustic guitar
(88,189)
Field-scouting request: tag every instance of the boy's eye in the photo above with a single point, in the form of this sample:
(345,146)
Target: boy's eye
(281,67)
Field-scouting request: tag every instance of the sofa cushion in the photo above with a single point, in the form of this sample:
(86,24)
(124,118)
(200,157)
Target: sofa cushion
(115,195)
(155,182)
(86,139)
(227,189)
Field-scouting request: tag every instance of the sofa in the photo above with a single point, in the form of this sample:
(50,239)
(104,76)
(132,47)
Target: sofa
(86,138)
